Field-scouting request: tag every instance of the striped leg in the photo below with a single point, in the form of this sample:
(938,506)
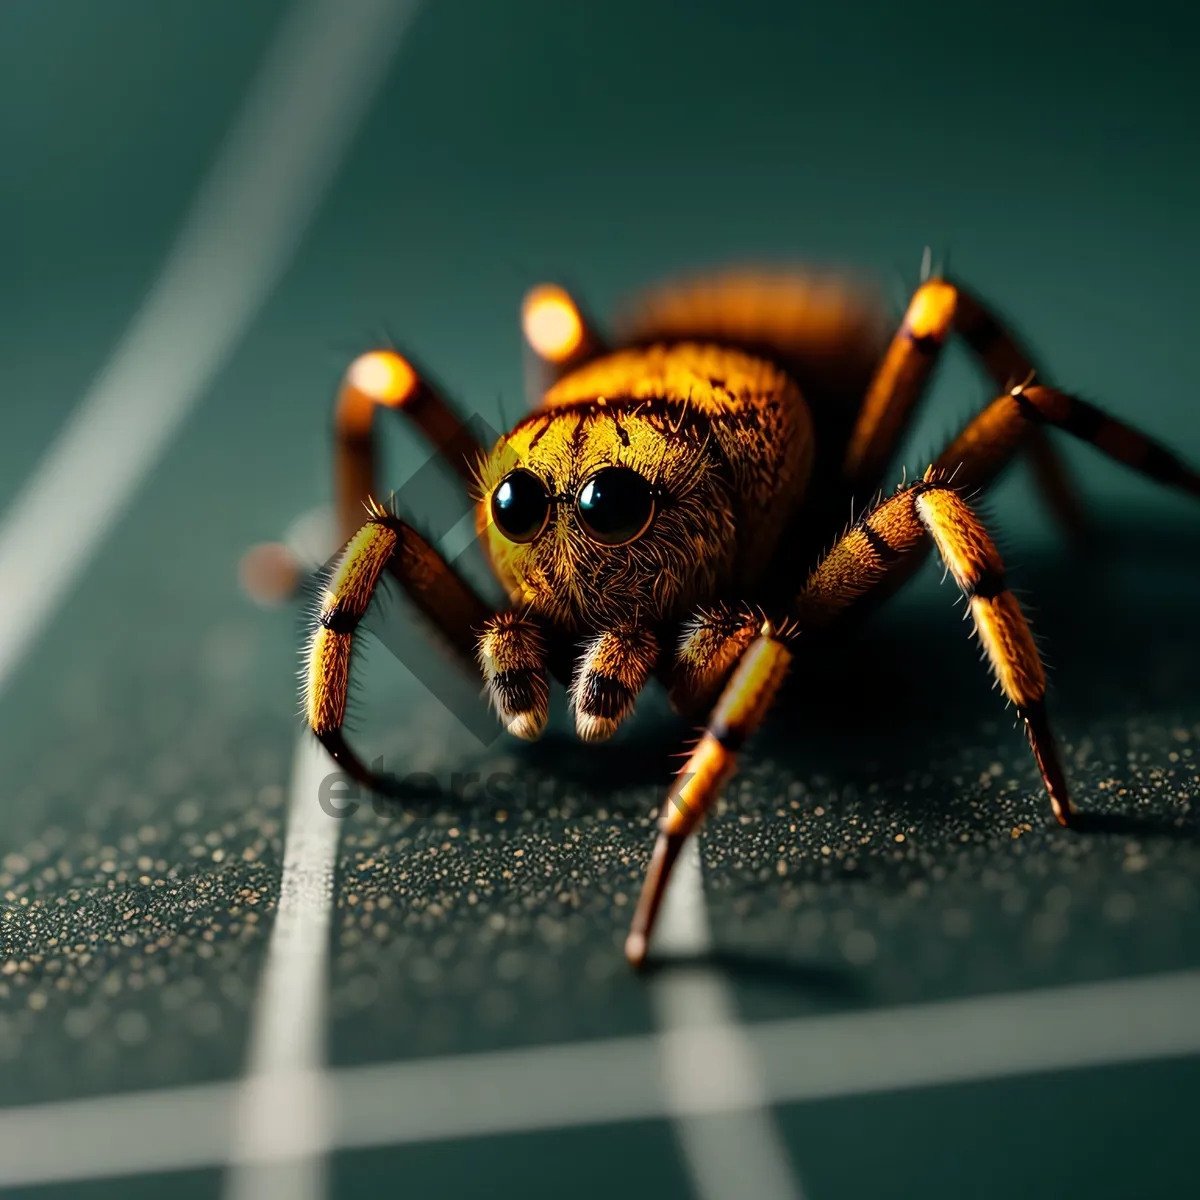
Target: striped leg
(270,572)
(383,379)
(987,443)
(738,713)
(939,308)
(384,543)
(885,544)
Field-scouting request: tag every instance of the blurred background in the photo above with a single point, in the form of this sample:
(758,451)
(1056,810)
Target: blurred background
(148,712)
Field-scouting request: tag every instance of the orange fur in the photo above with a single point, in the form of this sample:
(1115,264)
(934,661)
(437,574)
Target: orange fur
(709,407)
(725,436)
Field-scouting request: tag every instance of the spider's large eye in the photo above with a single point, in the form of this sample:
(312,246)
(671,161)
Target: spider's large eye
(520,506)
(615,506)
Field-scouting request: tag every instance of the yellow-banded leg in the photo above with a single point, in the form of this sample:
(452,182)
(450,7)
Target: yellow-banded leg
(986,444)
(884,545)
(384,379)
(271,572)
(384,543)
(558,337)
(738,713)
(984,447)
(937,309)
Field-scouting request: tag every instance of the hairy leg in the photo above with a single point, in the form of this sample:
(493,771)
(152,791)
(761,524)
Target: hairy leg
(937,310)
(383,379)
(884,546)
(990,440)
(742,706)
(558,338)
(271,572)
(384,543)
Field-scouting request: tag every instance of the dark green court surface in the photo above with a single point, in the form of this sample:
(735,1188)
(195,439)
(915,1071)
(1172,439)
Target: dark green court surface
(887,846)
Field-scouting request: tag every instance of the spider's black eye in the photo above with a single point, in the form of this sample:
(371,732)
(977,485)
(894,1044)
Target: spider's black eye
(615,506)
(520,506)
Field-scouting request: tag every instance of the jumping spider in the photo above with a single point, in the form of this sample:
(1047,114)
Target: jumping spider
(664,508)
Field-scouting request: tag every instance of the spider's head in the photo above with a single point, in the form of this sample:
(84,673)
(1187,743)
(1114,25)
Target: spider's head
(595,511)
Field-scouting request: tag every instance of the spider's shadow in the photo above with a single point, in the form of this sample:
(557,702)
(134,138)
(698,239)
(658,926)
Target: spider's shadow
(1115,621)
(882,703)
(1177,829)
(867,707)
(749,966)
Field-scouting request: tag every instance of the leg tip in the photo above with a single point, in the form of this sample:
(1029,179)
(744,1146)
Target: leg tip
(527,726)
(635,950)
(594,729)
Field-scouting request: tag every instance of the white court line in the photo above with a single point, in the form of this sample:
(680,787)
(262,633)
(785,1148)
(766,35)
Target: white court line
(619,1079)
(730,1155)
(314,85)
(234,245)
(285,1115)
(283,1112)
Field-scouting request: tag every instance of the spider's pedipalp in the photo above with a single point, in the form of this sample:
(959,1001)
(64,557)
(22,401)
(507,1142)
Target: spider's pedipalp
(512,655)
(610,673)
(709,648)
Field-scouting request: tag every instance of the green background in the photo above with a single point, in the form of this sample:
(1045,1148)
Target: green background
(1050,149)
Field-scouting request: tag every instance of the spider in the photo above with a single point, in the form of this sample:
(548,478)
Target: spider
(665,507)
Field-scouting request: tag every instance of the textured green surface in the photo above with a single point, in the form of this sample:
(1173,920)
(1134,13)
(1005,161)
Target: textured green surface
(147,740)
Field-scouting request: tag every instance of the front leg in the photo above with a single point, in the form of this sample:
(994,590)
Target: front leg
(384,544)
(384,379)
(271,572)
(738,713)
(559,337)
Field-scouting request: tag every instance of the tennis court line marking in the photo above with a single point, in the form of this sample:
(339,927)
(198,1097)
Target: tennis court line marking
(733,1155)
(308,98)
(539,1089)
(282,1133)
(283,1104)
(314,85)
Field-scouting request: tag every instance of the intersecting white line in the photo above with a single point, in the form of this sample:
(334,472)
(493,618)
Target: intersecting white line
(283,1111)
(233,247)
(315,83)
(524,1091)
(730,1155)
